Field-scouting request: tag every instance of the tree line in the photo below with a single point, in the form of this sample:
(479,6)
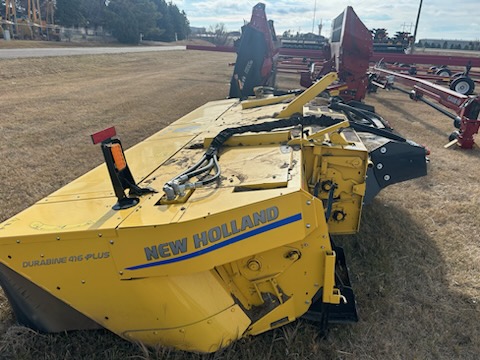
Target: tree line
(127,20)
(472,45)
(380,35)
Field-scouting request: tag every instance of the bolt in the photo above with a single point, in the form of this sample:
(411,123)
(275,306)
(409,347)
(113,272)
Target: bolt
(120,272)
(386,177)
(308,226)
(308,202)
(100,235)
(379,166)
(293,255)
(383,150)
(111,242)
(254,265)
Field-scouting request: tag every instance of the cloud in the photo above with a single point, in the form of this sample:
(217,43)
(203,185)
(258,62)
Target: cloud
(377,17)
(439,19)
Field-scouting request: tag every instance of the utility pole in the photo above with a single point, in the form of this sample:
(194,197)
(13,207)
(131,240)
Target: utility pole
(405,26)
(416,27)
(11,17)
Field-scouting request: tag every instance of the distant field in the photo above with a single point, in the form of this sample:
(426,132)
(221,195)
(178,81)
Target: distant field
(415,264)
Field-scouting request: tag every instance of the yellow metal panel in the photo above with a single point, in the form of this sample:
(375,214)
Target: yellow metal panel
(72,196)
(205,114)
(330,294)
(59,218)
(346,167)
(146,156)
(142,160)
(256,165)
(278,137)
(257,240)
(281,315)
(82,274)
(199,242)
(296,106)
(208,335)
(95,182)
(251,103)
(215,198)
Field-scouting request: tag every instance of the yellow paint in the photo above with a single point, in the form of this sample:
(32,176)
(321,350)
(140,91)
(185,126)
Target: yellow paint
(253,103)
(296,106)
(235,258)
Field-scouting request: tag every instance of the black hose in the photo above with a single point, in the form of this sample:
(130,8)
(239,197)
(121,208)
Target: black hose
(206,168)
(193,167)
(225,134)
(361,113)
(217,174)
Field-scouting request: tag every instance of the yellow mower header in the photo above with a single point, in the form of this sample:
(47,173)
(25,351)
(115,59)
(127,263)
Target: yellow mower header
(235,242)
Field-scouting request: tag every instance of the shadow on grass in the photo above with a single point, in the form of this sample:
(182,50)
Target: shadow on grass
(407,310)
(470,153)
(407,307)
(408,116)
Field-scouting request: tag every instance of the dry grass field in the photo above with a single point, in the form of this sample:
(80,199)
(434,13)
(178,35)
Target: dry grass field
(35,44)
(415,265)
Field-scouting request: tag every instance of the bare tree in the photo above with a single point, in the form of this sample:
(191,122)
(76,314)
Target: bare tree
(220,34)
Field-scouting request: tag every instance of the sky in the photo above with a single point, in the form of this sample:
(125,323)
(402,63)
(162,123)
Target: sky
(439,19)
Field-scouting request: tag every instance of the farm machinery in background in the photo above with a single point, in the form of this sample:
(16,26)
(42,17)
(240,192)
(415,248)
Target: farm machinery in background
(350,54)
(226,231)
(420,87)
(257,55)
(466,108)
(30,24)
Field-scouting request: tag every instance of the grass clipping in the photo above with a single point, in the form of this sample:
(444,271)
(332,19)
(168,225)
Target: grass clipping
(415,264)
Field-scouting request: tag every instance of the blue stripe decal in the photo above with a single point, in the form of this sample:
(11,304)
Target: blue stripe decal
(260,230)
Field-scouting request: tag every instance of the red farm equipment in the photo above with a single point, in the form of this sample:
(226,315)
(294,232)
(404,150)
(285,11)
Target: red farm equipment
(467,108)
(455,72)
(256,55)
(350,54)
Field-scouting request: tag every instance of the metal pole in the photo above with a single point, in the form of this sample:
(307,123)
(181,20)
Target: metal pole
(416,27)
(314,13)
